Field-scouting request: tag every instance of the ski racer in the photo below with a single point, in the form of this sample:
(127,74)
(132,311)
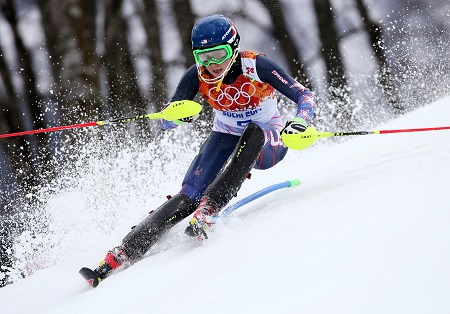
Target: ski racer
(241,88)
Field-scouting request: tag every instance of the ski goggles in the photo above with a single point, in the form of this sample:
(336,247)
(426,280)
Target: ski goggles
(218,55)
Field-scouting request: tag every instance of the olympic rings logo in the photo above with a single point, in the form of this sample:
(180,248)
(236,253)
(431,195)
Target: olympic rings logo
(231,95)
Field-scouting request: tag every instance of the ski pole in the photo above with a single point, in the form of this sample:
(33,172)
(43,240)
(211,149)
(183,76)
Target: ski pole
(174,111)
(307,138)
(227,211)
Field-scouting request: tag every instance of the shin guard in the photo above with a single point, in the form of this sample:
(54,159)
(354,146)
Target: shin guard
(139,240)
(232,175)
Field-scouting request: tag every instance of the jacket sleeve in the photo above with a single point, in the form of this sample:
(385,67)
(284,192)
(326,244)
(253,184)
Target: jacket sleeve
(269,72)
(187,89)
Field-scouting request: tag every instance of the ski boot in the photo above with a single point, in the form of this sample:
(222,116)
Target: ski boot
(113,259)
(202,220)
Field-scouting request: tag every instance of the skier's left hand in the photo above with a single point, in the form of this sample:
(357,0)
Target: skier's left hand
(295,126)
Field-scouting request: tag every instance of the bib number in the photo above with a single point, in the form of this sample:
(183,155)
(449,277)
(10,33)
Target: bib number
(243,123)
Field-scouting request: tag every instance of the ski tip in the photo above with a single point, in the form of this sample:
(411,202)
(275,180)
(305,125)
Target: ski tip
(90,276)
(295,182)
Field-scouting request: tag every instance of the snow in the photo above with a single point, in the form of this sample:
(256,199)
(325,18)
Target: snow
(367,231)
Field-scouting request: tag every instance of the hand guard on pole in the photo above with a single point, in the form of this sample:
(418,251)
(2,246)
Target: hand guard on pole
(186,120)
(296,134)
(168,125)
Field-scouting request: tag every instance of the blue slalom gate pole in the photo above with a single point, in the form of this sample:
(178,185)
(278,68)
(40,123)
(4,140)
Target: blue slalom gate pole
(227,211)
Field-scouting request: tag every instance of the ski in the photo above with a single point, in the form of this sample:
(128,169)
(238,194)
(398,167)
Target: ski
(90,276)
(230,209)
(93,278)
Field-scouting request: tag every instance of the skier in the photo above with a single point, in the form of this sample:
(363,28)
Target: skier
(240,87)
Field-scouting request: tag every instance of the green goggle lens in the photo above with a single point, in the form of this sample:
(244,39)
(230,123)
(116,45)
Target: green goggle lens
(217,55)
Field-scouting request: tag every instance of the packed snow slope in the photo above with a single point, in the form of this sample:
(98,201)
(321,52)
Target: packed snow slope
(368,231)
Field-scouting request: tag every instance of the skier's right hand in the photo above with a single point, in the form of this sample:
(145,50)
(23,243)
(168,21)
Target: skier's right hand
(168,125)
(186,120)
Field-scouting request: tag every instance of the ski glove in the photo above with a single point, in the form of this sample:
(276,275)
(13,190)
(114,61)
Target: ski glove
(186,120)
(295,126)
(168,125)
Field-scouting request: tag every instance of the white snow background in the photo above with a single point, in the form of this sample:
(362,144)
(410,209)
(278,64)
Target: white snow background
(368,231)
